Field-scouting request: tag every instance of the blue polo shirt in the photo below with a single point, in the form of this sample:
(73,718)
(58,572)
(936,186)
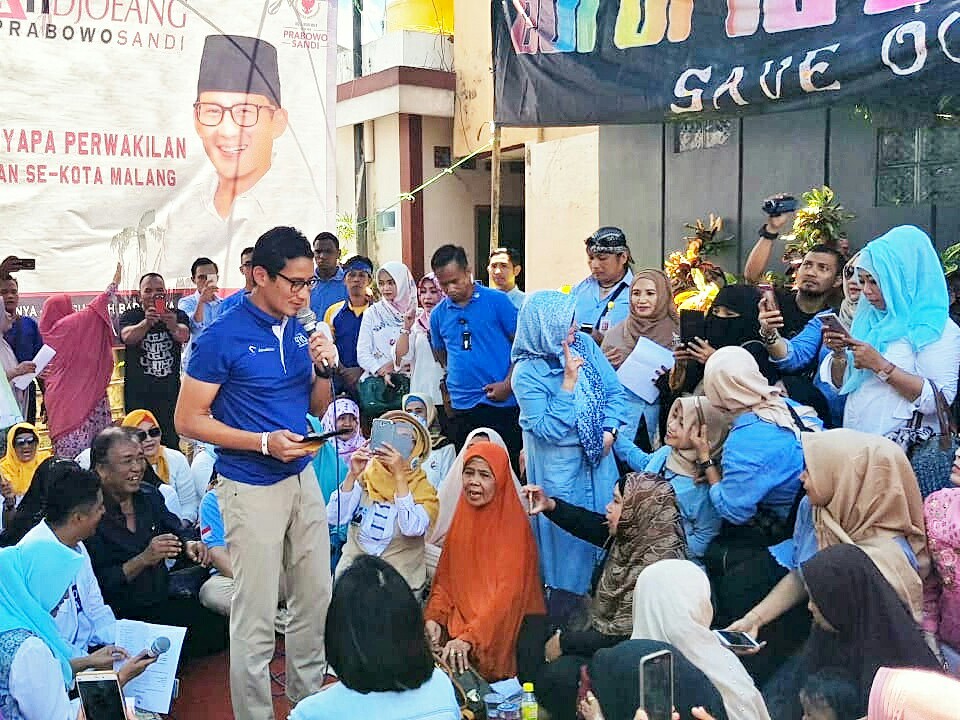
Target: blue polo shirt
(491,319)
(328,292)
(265,385)
(590,306)
(230,303)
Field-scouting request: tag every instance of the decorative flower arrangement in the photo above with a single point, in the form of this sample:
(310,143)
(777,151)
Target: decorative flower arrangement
(694,280)
(819,221)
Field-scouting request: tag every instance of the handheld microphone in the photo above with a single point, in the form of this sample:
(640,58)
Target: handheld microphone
(159,646)
(308,318)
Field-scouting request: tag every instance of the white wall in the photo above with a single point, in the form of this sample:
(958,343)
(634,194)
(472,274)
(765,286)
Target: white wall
(562,208)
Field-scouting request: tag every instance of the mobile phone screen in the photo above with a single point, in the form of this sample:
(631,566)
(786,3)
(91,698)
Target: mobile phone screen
(736,639)
(656,681)
(101,699)
(381,433)
(403,439)
(28,263)
(691,325)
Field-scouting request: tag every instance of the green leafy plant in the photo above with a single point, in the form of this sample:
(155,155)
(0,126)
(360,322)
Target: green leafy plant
(346,229)
(819,220)
(950,259)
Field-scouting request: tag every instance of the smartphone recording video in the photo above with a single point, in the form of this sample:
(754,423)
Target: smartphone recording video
(656,685)
(100,696)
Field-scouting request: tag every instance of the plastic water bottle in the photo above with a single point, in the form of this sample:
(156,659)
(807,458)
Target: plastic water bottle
(529,709)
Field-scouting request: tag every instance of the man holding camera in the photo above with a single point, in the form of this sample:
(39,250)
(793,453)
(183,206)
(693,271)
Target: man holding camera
(817,278)
(154,334)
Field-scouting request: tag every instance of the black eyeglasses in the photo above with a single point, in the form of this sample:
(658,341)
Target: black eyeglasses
(153,432)
(243,114)
(248,263)
(298,285)
(25,440)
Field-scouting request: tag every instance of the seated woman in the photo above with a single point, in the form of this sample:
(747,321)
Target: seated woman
(450,491)
(377,646)
(902,342)
(642,526)
(672,604)
(343,415)
(941,591)
(615,673)
(913,695)
(860,490)
(171,466)
(695,435)
(442,452)
(487,580)
(20,462)
(391,503)
(65,504)
(860,625)
(135,538)
(35,669)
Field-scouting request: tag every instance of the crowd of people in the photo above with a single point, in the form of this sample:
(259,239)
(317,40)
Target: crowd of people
(443,478)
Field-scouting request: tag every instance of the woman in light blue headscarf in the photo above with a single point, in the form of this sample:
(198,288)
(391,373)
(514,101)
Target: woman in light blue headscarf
(903,342)
(571,407)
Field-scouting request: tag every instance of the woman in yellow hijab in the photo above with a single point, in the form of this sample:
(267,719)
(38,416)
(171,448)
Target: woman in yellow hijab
(22,458)
(391,502)
(170,465)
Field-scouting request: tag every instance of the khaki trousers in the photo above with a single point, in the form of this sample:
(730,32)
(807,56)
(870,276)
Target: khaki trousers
(276,531)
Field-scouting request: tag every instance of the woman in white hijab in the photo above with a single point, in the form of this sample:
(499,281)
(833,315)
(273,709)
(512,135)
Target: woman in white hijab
(671,603)
(451,489)
(382,323)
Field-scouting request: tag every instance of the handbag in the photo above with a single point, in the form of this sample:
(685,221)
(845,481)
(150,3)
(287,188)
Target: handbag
(470,689)
(186,582)
(931,454)
(376,397)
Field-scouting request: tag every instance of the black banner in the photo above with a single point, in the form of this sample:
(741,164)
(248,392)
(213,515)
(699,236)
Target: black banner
(585,62)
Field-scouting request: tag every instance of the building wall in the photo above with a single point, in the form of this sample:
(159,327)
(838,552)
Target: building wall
(643,185)
(562,208)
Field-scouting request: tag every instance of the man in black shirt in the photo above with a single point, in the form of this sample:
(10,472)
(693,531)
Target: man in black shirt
(154,334)
(818,280)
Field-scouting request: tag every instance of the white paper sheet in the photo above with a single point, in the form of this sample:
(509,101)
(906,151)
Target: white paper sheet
(153,690)
(640,370)
(41,359)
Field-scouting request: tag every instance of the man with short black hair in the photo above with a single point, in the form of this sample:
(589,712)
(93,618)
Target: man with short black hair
(471,332)
(246,269)
(329,288)
(154,335)
(503,269)
(203,306)
(23,336)
(251,381)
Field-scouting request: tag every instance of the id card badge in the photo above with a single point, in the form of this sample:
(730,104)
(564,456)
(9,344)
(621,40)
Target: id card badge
(466,340)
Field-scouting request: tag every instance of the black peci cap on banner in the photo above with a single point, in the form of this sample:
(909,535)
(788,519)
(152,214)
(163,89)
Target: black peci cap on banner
(236,63)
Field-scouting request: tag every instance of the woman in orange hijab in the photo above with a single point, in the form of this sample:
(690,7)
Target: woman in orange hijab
(488,577)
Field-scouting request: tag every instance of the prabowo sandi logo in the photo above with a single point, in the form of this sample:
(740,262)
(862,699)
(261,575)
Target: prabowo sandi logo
(305,9)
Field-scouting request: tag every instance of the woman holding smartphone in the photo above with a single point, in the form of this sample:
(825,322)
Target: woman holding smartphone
(391,502)
(35,669)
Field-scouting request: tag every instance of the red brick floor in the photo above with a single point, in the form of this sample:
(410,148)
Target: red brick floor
(205,689)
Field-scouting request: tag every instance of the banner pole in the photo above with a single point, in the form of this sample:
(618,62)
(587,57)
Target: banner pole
(494,190)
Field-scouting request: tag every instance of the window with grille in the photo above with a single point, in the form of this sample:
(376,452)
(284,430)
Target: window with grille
(701,134)
(918,166)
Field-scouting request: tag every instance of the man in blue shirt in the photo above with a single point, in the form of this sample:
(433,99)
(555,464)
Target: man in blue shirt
(23,336)
(203,307)
(603,298)
(329,288)
(471,332)
(246,269)
(250,383)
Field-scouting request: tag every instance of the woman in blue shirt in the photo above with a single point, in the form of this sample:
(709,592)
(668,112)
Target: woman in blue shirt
(376,643)
(692,421)
(571,408)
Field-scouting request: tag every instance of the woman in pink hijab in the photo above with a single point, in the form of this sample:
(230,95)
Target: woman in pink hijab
(75,393)
(913,695)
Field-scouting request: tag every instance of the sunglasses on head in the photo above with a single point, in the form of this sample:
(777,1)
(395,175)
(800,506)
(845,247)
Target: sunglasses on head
(152,432)
(849,271)
(25,440)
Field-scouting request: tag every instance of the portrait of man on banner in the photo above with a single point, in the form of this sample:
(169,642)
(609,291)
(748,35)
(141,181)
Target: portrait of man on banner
(238,116)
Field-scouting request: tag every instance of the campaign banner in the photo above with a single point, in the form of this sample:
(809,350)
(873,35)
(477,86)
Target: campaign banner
(154,132)
(585,62)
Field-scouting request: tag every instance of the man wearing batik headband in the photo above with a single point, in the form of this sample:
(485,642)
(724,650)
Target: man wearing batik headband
(237,115)
(344,320)
(603,298)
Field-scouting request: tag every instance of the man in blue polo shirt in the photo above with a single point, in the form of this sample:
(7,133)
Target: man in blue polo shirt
(471,332)
(329,288)
(249,386)
(603,298)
